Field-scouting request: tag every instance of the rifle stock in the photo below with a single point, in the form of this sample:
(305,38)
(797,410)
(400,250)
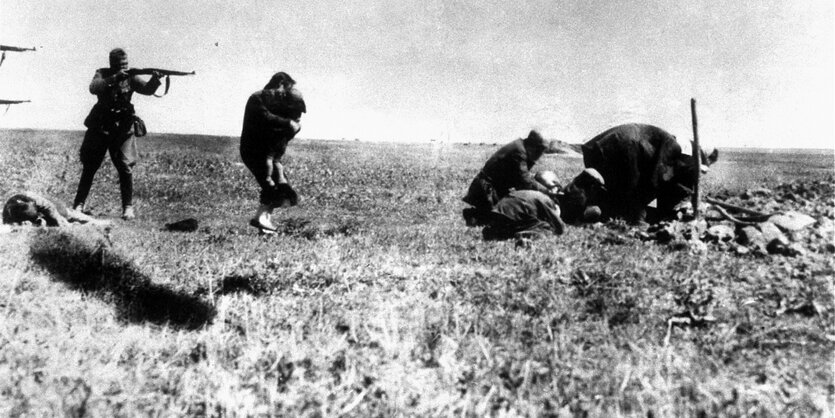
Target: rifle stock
(149,71)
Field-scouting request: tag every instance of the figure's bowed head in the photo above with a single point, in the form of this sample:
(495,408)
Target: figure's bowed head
(535,145)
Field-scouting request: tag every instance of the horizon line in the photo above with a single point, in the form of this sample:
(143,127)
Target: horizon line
(427,141)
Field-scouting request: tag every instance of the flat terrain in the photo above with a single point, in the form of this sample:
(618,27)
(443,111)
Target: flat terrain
(376,300)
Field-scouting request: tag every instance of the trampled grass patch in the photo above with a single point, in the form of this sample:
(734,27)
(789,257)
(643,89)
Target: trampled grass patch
(376,300)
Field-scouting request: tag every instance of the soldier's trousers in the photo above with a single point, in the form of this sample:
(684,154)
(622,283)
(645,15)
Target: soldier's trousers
(122,149)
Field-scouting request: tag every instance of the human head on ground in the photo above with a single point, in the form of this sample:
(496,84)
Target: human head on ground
(17,211)
(535,145)
(118,59)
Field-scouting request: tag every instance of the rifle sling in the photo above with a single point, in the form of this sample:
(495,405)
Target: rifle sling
(167,85)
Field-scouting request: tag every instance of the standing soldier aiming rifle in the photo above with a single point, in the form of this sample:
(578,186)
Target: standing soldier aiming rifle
(112,124)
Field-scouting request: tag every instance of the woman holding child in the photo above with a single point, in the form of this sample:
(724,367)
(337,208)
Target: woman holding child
(271,120)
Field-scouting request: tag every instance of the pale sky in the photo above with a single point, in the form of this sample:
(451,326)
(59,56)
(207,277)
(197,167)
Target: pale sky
(464,71)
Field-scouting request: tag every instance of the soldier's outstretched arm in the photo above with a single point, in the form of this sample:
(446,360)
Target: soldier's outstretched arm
(146,88)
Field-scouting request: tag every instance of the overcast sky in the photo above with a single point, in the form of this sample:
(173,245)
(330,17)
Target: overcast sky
(473,70)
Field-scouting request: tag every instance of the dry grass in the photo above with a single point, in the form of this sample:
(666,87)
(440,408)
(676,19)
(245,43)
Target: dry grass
(377,301)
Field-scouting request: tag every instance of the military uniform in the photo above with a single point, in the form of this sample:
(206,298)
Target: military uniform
(110,129)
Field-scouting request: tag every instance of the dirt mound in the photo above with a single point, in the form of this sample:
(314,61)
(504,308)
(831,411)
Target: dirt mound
(558,147)
(792,219)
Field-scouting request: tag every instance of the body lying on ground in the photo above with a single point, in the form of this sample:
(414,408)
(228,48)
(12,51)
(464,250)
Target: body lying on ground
(641,163)
(38,210)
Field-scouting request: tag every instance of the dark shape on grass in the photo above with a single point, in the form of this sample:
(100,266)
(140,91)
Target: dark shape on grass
(106,275)
(185,225)
(640,163)
(251,284)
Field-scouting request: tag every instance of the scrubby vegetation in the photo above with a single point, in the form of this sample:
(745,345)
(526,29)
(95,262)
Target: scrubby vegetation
(376,300)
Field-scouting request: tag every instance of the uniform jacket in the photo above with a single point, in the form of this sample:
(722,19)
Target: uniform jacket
(113,102)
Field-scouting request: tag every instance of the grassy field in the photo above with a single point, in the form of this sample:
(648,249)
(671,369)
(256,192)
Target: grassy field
(376,300)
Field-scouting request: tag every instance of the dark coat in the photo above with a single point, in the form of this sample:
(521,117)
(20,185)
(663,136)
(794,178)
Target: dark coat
(640,163)
(508,168)
(267,119)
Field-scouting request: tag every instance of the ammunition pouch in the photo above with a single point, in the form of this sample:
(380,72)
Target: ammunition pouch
(139,129)
(113,119)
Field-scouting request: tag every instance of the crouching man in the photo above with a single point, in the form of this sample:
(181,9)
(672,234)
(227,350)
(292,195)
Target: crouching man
(526,213)
(507,169)
(580,200)
(38,210)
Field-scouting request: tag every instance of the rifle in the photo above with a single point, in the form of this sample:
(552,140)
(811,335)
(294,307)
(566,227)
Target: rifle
(149,71)
(5,48)
(166,73)
(9,103)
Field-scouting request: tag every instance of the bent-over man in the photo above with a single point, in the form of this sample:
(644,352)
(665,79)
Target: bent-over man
(508,168)
(640,163)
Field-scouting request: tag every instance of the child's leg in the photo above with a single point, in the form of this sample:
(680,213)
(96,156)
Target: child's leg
(280,178)
(270,163)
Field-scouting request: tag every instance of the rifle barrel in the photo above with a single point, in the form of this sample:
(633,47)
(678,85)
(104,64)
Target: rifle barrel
(5,102)
(148,71)
(15,48)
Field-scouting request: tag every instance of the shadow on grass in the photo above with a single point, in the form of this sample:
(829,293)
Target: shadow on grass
(104,274)
(251,284)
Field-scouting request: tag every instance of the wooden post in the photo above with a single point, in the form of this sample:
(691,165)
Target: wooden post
(697,159)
